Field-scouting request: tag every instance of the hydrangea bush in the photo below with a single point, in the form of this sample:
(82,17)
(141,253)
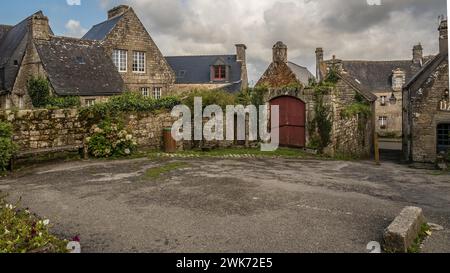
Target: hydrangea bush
(110,139)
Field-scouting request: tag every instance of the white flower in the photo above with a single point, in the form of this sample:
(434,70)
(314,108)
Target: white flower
(127,151)
(7,232)
(46,222)
(9,206)
(129,137)
(40,234)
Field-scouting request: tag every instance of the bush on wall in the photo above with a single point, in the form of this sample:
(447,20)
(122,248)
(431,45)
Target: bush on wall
(7,146)
(210,97)
(110,139)
(127,102)
(39,92)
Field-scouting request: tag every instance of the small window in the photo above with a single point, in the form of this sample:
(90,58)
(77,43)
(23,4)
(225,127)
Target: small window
(383,122)
(398,82)
(383,100)
(16,62)
(90,102)
(120,59)
(181,74)
(157,92)
(138,62)
(443,138)
(144,91)
(220,72)
(80,60)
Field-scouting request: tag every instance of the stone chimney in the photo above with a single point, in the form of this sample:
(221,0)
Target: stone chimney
(40,28)
(117,11)
(280,53)
(443,36)
(241,53)
(319,60)
(418,54)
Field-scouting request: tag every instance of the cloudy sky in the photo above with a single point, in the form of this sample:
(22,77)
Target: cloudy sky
(349,29)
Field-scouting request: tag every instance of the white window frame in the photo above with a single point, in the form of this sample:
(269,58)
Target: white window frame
(89,102)
(140,63)
(383,121)
(145,91)
(118,58)
(157,92)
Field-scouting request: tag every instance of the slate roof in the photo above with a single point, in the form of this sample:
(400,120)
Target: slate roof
(197,69)
(302,73)
(377,75)
(423,74)
(4,30)
(100,31)
(13,42)
(361,89)
(79,67)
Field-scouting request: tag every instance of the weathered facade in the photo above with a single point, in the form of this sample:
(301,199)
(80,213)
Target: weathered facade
(138,59)
(426,108)
(385,79)
(350,135)
(73,67)
(211,72)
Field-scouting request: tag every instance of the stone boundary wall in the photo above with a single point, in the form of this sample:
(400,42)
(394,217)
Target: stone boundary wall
(45,129)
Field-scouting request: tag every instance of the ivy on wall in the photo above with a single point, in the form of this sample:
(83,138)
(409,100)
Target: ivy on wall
(39,92)
(320,127)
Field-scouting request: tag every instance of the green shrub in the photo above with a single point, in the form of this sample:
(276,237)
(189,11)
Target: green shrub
(7,147)
(39,91)
(64,102)
(252,96)
(127,102)
(110,139)
(210,97)
(23,232)
(321,125)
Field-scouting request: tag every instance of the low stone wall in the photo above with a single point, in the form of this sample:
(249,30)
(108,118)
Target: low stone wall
(42,129)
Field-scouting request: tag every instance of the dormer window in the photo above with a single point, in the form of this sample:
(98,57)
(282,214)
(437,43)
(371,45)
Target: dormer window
(80,60)
(220,72)
(398,79)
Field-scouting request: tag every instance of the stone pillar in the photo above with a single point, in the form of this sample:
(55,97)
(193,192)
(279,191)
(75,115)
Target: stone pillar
(280,53)
(242,59)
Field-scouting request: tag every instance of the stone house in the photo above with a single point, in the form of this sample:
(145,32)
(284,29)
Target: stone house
(138,59)
(114,56)
(211,72)
(282,73)
(289,88)
(385,79)
(426,107)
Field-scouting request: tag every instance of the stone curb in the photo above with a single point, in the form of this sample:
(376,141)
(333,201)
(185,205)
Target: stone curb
(402,232)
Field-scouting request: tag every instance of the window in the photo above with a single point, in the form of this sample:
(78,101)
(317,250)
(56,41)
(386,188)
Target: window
(383,122)
(383,100)
(443,138)
(157,92)
(220,72)
(181,74)
(144,91)
(90,102)
(138,62)
(16,62)
(398,82)
(21,104)
(80,60)
(120,59)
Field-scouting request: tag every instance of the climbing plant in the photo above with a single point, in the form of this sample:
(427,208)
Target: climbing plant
(320,127)
(39,91)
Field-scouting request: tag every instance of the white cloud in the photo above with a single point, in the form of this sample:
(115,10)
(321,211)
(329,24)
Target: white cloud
(351,29)
(74,29)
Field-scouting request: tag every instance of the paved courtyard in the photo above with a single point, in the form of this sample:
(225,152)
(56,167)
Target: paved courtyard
(230,205)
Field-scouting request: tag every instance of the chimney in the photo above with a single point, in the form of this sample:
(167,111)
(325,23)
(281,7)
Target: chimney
(242,59)
(418,54)
(116,11)
(443,36)
(319,60)
(40,28)
(280,53)
(241,53)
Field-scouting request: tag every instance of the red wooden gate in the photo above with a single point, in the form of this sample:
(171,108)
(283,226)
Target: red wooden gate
(292,121)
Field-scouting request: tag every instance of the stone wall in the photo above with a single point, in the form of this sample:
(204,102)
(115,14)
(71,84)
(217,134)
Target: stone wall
(42,129)
(426,116)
